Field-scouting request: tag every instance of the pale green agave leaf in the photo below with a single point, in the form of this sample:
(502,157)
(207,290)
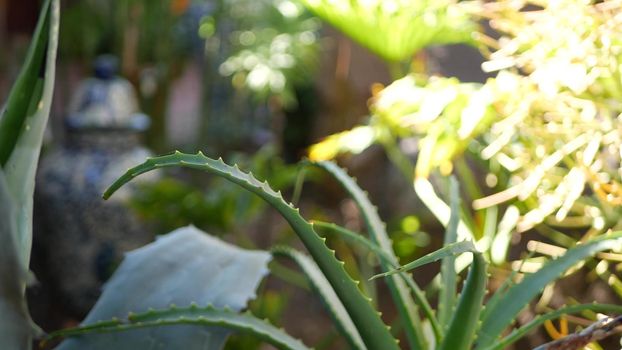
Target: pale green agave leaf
(323,288)
(183,267)
(190,317)
(400,292)
(21,164)
(372,329)
(15,325)
(503,311)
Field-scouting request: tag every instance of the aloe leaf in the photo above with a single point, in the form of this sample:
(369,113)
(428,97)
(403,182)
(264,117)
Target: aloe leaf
(447,251)
(538,320)
(15,325)
(464,322)
(323,288)
(372,329)
(182,267)
(21,163)
(418,294)
(504,311)
(198,317)
(404,303)
(448,287)
(352,236)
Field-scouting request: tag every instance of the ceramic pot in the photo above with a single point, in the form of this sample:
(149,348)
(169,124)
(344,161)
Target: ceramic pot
(81,237)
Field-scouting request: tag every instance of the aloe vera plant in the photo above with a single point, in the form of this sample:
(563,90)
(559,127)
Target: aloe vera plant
(471,324)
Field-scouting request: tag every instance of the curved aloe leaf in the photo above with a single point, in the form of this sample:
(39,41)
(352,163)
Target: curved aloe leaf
(538,320)
(355,237)
(404,303)
(323,288)
(500,315)
(193,315)
(374,332)
(24,126)
(464,322)
(447,251)
(448,290)
(418,294)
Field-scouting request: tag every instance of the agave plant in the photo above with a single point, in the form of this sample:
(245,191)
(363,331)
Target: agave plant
(22,123)
(461,321)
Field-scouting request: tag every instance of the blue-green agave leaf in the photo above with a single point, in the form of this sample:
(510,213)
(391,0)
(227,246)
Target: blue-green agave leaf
(183,267)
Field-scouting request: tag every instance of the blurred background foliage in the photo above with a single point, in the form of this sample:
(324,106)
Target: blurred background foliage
(542,134)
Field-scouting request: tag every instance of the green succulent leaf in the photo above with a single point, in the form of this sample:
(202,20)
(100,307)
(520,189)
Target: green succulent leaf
(464,322)
(323,288)
(500,315)
(331,228)
(193,315)
(418,294)
(376,229)
(372,329)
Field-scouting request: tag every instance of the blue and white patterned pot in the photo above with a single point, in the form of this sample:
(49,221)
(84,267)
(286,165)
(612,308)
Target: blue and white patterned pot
(79,236)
